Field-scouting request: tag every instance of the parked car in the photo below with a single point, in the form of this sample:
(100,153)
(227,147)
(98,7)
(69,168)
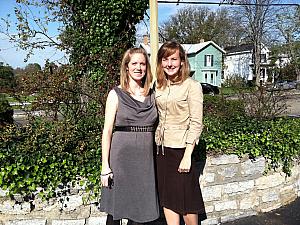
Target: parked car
(210,89)
(283,85)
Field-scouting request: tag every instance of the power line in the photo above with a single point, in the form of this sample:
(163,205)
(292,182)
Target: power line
(226,3)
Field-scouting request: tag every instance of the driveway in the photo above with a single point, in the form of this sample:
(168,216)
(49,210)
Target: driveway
(293,103)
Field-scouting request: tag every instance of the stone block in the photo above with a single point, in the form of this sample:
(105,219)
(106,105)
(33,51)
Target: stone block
(101,220)
(70,203)
(7,206)
(238,187)
(212,193)
(208,178)
(253,167)
(224,160)
(68,222)
(210,221)
(269,207)
(27,222)
(229,217)
(270,196)
(269,181)
(209,208)
(3,193)
(226,205)
(227,171)
(249,202)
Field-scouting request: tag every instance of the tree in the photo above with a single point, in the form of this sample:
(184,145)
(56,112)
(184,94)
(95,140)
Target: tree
(29,29)
(257,18)
(7,78)
(289,27)
(191,24)
(95,34)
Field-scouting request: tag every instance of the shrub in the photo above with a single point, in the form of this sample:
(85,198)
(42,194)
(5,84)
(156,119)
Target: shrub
(277,140)
(221,107)
(48,153)
(6,112)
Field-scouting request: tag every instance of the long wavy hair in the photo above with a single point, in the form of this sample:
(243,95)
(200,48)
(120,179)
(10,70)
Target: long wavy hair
(167,49)
(124,77)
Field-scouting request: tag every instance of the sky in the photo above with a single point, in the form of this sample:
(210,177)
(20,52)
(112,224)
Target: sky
(14,57)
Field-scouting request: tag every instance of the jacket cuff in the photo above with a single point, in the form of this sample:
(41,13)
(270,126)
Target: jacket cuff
(193,138)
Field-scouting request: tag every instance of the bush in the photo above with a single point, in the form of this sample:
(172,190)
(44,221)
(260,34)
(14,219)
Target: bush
(221,107)
(6,112)
(277,140)
(49,153)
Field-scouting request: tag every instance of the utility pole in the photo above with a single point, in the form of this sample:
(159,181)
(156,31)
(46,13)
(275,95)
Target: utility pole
(153,35)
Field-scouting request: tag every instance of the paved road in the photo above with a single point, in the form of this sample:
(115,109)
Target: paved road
(286,215)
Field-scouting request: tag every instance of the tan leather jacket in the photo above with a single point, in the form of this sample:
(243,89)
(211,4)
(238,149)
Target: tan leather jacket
(180,109)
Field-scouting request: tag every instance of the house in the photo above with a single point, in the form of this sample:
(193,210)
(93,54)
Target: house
(239,61)
(206,60)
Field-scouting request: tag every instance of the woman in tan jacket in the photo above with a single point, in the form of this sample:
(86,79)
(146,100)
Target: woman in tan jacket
(179,101)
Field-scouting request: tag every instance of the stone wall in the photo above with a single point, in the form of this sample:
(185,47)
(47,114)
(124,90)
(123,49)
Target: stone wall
(235,188)
(232,188)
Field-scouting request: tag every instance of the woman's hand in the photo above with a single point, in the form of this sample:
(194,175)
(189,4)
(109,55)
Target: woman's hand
(106,178)
(185,164)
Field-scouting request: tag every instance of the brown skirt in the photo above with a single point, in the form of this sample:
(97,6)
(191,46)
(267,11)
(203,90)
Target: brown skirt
(179,192)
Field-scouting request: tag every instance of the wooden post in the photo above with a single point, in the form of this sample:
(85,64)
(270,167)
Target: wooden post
(153,35)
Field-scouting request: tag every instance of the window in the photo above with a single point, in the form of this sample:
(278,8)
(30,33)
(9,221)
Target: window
(205,77)
(263,58)
(208,60)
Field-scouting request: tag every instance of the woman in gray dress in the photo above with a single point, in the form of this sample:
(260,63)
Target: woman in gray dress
(127,175)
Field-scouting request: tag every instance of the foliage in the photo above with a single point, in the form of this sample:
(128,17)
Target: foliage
(263,103)
(94,34)
(6,112)
(257,19)
(98,33)
(289,27)
(58,95)
(7,78)
(28,29)
(191,24)
(46,154)
(220,107)
(277,140)
(235,81)
(65,145)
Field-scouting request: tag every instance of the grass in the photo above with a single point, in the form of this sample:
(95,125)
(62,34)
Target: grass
(22,98)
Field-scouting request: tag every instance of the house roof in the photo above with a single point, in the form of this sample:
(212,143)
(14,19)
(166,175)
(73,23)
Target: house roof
(239,48)
(243,48)
(189,48)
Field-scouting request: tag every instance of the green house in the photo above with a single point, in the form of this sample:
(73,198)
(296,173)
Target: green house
(206,61)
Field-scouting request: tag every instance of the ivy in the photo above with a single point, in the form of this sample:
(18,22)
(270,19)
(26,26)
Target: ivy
(277,140)
(48,154)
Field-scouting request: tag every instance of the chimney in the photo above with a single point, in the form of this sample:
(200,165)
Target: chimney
(201,40)
(145,39)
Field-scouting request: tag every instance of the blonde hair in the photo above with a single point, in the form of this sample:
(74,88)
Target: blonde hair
(167,49)
(124,78)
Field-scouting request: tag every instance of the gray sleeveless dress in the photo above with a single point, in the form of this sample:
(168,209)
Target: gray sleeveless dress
(133,195)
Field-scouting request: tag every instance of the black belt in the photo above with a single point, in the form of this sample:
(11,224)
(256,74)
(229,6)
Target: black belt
(135,128)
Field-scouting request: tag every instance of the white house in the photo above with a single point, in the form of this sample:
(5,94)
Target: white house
(238,61)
